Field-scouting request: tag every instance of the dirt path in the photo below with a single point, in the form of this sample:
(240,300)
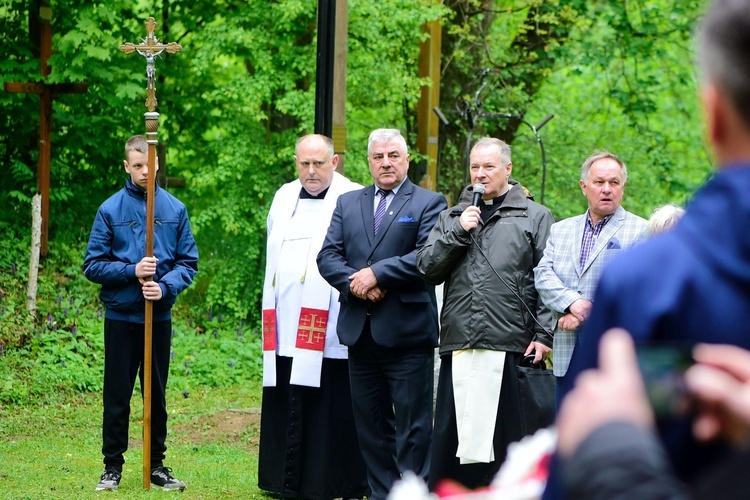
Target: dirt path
(238,426)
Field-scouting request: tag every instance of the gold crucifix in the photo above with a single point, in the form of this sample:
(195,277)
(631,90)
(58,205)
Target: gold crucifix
(314,331)
(150,48)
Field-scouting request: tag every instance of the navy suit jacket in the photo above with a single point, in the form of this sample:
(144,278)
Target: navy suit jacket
(407,316)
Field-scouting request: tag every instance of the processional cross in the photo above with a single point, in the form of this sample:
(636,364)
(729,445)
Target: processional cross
(150,48)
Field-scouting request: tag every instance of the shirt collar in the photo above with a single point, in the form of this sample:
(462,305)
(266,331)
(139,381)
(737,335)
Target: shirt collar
(394,190)
(599,224)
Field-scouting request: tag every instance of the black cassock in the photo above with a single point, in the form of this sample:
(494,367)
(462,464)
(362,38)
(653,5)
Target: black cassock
(308,443)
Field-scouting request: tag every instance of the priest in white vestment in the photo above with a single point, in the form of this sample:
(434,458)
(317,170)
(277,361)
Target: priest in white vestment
(308,444)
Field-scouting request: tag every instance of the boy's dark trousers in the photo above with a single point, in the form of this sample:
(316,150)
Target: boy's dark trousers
(123,356)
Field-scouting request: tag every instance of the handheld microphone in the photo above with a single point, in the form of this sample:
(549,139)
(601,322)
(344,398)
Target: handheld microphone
(478,192)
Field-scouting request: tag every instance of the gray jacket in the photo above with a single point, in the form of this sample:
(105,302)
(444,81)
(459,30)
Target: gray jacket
(479,310)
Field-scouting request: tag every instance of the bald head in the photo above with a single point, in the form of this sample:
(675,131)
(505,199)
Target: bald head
(316,162)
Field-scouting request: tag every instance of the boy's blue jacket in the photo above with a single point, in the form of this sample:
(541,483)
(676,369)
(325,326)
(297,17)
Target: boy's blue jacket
(118,242)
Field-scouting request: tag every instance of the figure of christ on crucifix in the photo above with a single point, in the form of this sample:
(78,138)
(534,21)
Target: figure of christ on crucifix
(150,48)
(42,24)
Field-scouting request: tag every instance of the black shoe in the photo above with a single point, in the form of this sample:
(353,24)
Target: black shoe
(110,480)
(161,477)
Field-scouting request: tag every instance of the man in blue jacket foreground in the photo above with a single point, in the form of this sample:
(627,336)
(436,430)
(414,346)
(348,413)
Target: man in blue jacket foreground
(692,284)
(116,259)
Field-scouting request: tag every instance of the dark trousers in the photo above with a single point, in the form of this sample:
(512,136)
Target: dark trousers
(558,393)
(392,400)
(123,359)
(308,442)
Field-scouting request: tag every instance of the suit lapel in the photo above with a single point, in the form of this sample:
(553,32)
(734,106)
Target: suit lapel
(368,212)
(608,231)
(578,242)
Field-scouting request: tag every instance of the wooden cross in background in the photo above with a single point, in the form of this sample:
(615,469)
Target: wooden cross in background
(161,174)
(45,91)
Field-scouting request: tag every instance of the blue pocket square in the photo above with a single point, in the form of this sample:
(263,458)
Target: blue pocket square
(613,244)
(405,218)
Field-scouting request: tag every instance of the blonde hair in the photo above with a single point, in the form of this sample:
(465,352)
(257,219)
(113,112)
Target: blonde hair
(136,143)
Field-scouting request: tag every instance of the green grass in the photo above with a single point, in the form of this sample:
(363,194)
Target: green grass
(54,450)
(51,370)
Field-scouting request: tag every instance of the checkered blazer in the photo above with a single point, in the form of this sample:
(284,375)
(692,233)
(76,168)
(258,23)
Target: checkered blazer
(559,278)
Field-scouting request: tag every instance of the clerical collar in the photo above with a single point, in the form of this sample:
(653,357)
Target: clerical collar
(497,200)
(304,195)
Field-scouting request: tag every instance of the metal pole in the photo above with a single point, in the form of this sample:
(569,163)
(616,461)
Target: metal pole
(535,130)
(467,152)
(544,155)
(324,68)
(544,168)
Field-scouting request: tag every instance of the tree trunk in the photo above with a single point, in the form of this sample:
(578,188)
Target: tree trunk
(36,245)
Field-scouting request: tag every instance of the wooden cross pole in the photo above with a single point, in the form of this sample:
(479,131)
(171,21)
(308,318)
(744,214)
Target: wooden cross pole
(46,91)
(150,48)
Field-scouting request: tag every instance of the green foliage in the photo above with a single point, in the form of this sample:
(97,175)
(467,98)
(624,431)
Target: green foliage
(59,351)
(383,85)
(57,360)
(625,83)
(217,354)
(616,76)
(15,322)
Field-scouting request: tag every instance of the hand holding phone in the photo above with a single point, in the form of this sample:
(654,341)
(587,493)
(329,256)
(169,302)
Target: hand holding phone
(720,383)
(663,367)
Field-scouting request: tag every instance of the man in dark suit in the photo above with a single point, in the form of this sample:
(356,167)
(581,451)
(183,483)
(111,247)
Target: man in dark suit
(388,315)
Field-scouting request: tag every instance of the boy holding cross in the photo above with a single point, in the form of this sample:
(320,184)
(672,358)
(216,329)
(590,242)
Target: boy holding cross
(115,258)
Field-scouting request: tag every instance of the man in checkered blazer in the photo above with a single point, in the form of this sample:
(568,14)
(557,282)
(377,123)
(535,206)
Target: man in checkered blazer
(579,247)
